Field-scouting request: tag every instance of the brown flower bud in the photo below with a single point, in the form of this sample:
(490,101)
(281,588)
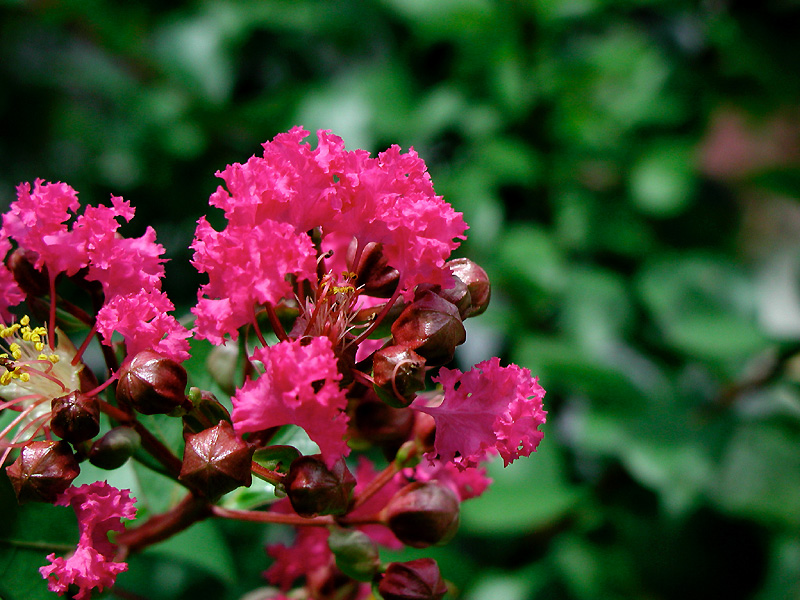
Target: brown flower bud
(373,272)
(42,471)
(477,281)
(313,489)
(398,374)
(75,417)
(422,514)
(413,580)
(30,280)
(153,384)
(456,292)
(379,424)
(114,449)
(432,327)
(216,461)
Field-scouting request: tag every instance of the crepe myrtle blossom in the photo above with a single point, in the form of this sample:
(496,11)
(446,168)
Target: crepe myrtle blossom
(333,194)
(488,407)
(300,386)
(99,509)
(44,222)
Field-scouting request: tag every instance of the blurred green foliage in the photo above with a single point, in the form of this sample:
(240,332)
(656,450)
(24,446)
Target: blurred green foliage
(630,170)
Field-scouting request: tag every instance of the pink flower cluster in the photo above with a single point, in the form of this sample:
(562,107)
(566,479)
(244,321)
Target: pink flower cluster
(272,202)
(44,224)
(99,508)
(346,257)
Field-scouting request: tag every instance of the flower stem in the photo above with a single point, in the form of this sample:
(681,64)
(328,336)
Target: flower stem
(259,516)
(188,511)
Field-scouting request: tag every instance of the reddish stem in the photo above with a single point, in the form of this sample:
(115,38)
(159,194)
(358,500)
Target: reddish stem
(258,516)
(377,320)
(265,474)
(190,510)
(276,324)
(374,486)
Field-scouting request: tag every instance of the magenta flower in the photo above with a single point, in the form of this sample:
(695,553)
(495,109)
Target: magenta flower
(99,508)
(143,321)
(465,483)
(121,265)
(37,221)
(342,197)
(299,386)
(488,407)
(10,294)
(309,553)
(246,266)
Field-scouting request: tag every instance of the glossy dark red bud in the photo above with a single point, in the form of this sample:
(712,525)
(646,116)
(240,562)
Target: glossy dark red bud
(477,282)
(153,384)
(75,417)
(422,514)
(373,273)
(398,373)
(216,461)
(413,580)
(432,327)
(42,471)
(456,292)
(382,425)
(314,489)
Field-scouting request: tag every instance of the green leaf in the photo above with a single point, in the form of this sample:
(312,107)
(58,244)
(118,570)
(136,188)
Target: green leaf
(507,507)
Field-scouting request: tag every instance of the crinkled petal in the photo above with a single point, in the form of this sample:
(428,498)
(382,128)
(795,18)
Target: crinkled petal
(143,321)
(300,386)
(487,408)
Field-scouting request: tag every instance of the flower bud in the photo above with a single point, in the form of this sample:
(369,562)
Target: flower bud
(413,580)
(153,384)
(422,514)
(113,449)
(456,293)
(398,374)
(42,471)
(30,280)
(373,272)
(431,326)
(356,554)
(313,489)
(382,425)
(216,461)
(75,417)
(206,411)
(477,281)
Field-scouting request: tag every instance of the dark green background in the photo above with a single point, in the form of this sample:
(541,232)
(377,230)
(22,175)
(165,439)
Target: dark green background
(629,170)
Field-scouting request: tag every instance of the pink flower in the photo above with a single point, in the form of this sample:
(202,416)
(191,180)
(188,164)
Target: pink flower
(309,553)
(246,266)
(466,483)
(390,200)
(290,184)
(299,386)
(37,221)
(488,407)
(141,319)
(10,294)
(99,508)
(122,265)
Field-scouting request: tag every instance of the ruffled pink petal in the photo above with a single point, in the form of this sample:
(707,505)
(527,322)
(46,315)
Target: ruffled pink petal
(246,266)
(99,509)
(143,321)
(300,386)
(487,408)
